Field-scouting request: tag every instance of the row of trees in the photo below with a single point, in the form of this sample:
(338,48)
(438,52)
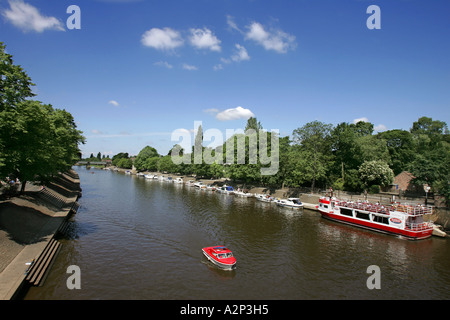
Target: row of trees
(37,141)
(346,156)
(99,157)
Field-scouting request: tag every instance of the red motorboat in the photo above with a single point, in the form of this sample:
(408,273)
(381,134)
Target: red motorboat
(220,256)
(397,219)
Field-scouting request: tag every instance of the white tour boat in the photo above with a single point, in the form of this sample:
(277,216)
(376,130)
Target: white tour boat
(396,219)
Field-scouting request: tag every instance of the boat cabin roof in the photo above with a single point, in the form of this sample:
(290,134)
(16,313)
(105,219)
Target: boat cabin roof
(221,249)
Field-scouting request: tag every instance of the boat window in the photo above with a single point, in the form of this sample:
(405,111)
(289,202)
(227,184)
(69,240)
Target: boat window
(346,212)
(380,219)
(362,215)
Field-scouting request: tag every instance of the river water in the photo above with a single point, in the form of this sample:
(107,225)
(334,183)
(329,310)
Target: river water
(134,238)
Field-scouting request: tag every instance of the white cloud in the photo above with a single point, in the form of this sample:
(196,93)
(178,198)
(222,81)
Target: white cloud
(189,67)
(218,67)
(380,128)
(232,24)
(363,119)
(114,103)
(162,39)
(241,54)
(377,128)
(28,18)
(276,40)
(204,39)
(184,131)
(234,114)
(211,110)
(163,64)
(95,131)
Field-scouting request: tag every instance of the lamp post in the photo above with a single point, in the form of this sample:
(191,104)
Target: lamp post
(427,189)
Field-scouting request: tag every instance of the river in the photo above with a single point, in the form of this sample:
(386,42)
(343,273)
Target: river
(134,238)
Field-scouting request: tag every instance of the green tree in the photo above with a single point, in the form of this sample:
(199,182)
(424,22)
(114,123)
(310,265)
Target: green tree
(216,171)
(371,148)
(254,124)
(43,142)
(376,173)
(15,87)
(165,164)
(28,153)
(362,128)
(352,145)
(400,147)
(286,165)
(15,84)
(125,163)
(66,139)
(432,148)
(145,154)
(151,164)
(344,148)
(36,140)
(429,127)
(116,158)
(315,141)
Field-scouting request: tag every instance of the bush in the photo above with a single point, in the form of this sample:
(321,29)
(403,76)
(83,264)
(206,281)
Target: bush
(374,189)
(338,184)
(125,163)
(376,173)
(352,181)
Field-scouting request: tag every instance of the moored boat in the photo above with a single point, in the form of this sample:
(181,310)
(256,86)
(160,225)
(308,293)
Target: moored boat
(221,256)
(242,193)
(293,203)
(200,185)
(226,189)
(396,219)
(178,180)
(264,198)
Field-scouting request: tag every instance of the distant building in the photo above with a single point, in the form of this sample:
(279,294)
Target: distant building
(403,182)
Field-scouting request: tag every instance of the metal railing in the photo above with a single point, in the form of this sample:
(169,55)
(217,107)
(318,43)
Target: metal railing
(419,226)
(414,210)
(379,208)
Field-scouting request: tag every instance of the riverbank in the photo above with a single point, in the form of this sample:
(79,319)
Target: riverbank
(441,217)
(310,200)
(28,223)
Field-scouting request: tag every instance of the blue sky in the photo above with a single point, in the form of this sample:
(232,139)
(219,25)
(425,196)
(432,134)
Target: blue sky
(138,70)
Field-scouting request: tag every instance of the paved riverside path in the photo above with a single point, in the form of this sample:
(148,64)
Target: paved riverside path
(27,224)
